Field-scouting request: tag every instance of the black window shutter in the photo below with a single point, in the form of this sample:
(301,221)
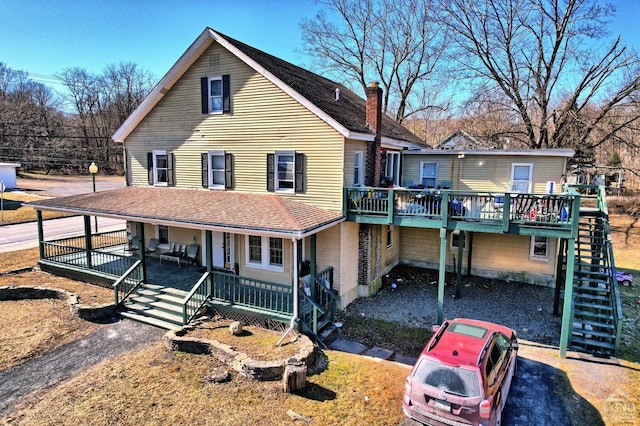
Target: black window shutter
(171,172)
(270,172)
(204,92)
(226,94)
(299,177)
(228,171)
(204,159)
(150,167)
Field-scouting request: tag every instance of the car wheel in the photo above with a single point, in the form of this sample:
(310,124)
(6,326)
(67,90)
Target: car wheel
(626,283)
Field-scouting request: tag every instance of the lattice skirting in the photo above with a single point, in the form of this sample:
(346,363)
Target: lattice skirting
(247,318)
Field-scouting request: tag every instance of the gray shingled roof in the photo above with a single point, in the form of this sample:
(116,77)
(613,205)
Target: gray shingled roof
(349,110)
(196,208)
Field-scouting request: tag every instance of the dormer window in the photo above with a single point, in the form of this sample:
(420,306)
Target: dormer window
(216,94)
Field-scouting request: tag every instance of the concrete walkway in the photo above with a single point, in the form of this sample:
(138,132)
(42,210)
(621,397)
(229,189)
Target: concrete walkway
(53,367)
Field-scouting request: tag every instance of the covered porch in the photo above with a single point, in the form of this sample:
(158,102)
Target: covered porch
(115,259)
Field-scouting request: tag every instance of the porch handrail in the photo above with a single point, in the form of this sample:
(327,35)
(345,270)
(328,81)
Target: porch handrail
(252,293)
(99,240)
(128,282)
(614,295)
(326,298)
(310,312)
(195,300)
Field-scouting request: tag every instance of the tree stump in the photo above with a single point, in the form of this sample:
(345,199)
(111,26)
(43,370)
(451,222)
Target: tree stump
(294,377)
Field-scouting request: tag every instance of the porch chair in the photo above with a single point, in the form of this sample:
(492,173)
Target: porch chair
(152,247)
(191,253)
(133,246)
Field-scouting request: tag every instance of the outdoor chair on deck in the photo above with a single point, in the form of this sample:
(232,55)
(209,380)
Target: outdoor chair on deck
(191,253)
(133,246)
(152,247)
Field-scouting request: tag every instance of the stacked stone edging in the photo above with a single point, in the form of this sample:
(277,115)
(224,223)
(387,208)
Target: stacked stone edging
(86,312)
(241,362)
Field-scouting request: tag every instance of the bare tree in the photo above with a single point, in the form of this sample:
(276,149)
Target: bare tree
(399,43)
(543,58)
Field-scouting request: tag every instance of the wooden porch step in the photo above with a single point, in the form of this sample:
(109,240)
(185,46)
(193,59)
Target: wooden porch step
(599,324)
(579,313)
(580,332)
(172,317)
(171,298)
(582,343)
(594,298)
(149,320)
(157,303)
(596,306)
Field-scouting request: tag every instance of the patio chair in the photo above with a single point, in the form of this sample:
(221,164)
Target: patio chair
(191,253)
(133,246)
(152,247)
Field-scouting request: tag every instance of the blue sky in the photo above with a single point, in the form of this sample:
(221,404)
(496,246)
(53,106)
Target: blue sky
(43,37)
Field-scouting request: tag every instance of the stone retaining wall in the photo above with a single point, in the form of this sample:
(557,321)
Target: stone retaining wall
(242,363)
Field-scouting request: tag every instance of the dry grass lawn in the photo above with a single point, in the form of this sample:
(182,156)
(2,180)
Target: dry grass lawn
(156,386)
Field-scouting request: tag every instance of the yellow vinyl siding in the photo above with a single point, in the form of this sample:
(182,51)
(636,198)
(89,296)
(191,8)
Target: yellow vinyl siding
(349,157)
(509,253)
(285,277)
(485,172)
(390,253)
(263,120)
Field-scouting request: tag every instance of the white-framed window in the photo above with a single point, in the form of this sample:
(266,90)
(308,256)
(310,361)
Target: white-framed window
(160,168)
(357,168)
(429,174)
(539,248)
(285,170)
(265,252)
(215,95)
(393,167)
(521,177)
(216,169)
(389,236)
(458,238)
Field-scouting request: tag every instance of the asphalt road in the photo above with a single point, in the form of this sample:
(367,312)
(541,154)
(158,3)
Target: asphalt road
(25,235)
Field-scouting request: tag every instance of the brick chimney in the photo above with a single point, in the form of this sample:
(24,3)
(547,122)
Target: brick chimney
(374,121)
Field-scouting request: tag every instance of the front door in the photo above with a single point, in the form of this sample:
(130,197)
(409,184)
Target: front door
(223,250)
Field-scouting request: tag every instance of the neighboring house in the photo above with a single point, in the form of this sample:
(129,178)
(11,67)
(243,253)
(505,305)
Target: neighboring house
(460,140)
(273,174)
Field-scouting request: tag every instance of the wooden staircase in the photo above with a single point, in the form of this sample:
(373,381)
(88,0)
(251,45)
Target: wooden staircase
(155,305)
(595,292)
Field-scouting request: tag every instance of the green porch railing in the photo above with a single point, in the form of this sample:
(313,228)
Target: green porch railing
(106,263)
(252,293)
(310,313)
(128,282)
(100,240)
(325,297)
(444,205)
(195,300)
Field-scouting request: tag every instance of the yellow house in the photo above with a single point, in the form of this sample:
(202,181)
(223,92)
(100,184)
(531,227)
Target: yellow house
(266,192)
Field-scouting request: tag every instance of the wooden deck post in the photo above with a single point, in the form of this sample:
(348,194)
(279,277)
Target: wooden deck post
(140,232)
(40,233)
(442,273)
(87,239)
(461,241)
(313,268)
(208,237)
(567,314)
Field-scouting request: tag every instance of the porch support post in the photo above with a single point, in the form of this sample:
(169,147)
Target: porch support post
(208,240)
(441,273)
(87,239)
(140,233)
(40,233)
(461,241)
(469,254)
(559,262)
(567,314)
(313,267)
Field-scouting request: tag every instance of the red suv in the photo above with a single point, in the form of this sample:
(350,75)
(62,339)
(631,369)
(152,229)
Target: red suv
(463,375)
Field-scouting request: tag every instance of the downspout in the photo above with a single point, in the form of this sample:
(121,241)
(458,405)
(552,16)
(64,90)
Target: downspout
(294,317)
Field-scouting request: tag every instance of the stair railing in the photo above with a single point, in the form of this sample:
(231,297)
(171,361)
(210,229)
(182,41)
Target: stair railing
(310,313)
(614,295)
(197,297)
(325,297)
(128,282)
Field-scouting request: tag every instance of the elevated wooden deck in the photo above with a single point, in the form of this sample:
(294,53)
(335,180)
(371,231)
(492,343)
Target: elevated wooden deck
(547,215)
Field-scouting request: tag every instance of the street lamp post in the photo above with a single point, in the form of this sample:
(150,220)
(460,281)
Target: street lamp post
(93,169)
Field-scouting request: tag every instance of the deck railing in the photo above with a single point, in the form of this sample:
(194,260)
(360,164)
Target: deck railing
(104,262)
(252,293)
(128,282)
(444,205)
(196,298)
(100,240)
(326,298)
(310,312)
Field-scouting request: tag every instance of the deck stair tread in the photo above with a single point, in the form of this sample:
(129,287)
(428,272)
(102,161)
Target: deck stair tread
(589,332)
(147,310)
(588,314)
(598,324)
(149,320)
(581,341)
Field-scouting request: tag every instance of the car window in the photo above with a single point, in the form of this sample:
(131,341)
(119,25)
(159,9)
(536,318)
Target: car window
(501,346)
(449,379)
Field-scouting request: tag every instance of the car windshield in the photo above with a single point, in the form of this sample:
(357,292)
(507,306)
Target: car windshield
(449,379)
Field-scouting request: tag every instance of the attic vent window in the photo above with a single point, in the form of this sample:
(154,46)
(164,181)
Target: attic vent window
(214,60)
(337,93)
